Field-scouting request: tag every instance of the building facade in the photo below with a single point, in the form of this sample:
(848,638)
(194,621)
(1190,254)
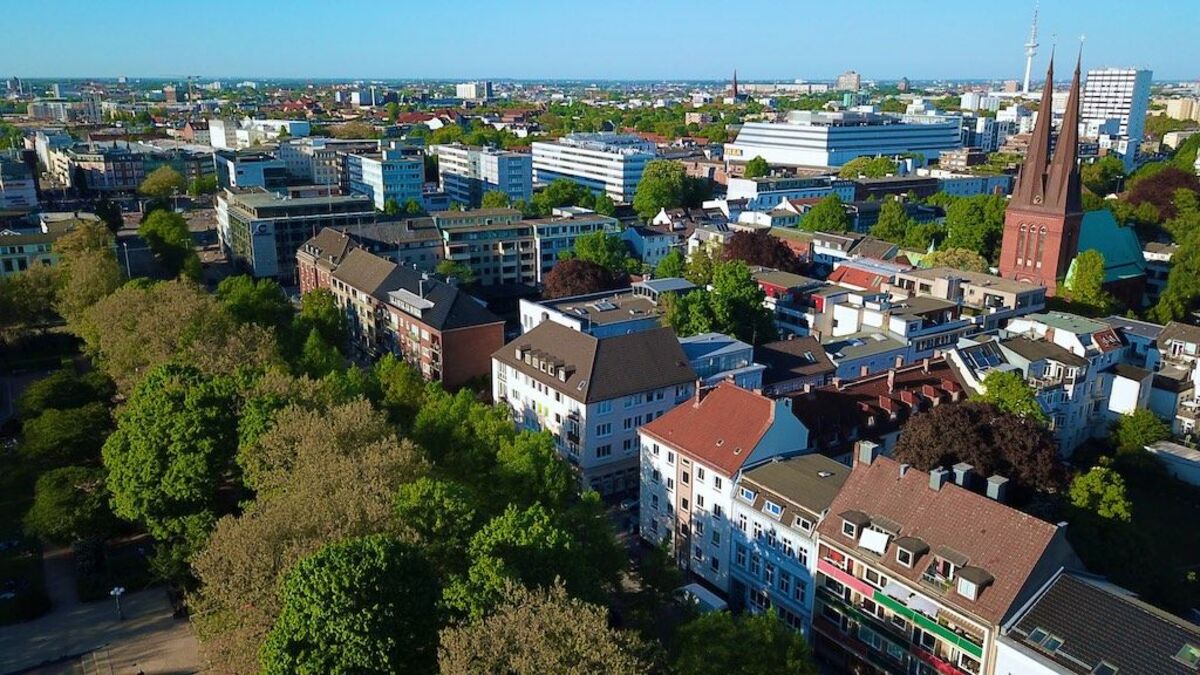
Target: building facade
(467,173)
(605,163)
(396,175)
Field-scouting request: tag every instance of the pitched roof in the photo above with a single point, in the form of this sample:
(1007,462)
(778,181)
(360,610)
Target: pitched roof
(598,369)
(1123,256)
(329,247)
(1179,331)
(790,359)
(848,275)
(721,429)
(979,532)
(809,481)
(1037,350)
(1096,622)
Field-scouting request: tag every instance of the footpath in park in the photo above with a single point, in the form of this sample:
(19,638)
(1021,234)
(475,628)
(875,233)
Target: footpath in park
(76,637)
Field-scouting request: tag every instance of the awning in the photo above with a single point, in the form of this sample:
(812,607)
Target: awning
(896,591)
(874,541)
(919,603)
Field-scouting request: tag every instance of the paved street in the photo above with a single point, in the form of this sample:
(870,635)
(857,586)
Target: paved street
(88,638)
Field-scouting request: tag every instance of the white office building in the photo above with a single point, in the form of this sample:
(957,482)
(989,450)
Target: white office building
(315,159)
(467,173)
(474,91)
(1120,94)
(606,163)
(394,174)
(822,139)
(234,134)
(768,192)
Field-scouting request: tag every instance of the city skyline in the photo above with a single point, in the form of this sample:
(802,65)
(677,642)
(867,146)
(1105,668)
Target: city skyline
(175,43)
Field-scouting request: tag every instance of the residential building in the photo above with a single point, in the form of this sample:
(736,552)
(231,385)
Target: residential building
(606,313)
(605,163)
(987,300)
(22,249)
(558,233)
(260,231)
(496,244)
(593,394)
(717,358)
(227,134)
(785,293)
(319,161)
(1057,633)
(918,574)
(848,81)
(793,364)
(823,139)
(875,407)
(650,245)
(692,458)
(474,91)
(1044,216)
(392,309)
(249,169)
(408,242)
(467,173)
(766,193)
(1178,380)
(18,186)
(395,175)
(1121,95)
(776,509)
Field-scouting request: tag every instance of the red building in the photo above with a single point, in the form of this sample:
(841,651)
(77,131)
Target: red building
(1044,217)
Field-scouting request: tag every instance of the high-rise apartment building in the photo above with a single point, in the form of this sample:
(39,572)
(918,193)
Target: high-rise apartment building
(1119,95)
(394,174)
(605,163)
(849,81)
(474,91)
(467,173)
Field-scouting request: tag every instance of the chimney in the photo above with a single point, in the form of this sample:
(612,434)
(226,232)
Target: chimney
(864,370)
(904,469)
(899,361)
(808,387)
(891,380)
(925,365)
(837,382)
(867,452)
(699,392)
(963,474)
(997,488)
(937,478)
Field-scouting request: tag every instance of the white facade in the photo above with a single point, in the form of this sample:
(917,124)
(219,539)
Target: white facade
(605,163)
(1121,94)
(764,194)
(467,173)
(17,188)
(817,139)
(232,135)
(474,91)
(559,232)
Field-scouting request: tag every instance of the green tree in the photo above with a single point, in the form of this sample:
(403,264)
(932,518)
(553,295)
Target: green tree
(495,199)
(440,516)
(412,207)
(260,301)
(700,266)
(673,264)
(392,207)
(605,206)
(529,469)
(318,357)
(1101,491)
(109,212)
(956,258)
(69,436)
(1103,176)
(827,215)
(893,221)
(871,167)
(171,452)
(1085,281)
(606,250)
(366,605)
(1133,432)
(63,389)
(722,644)
(167,235)
(393,112)
(976,223)
(542,631)
(203,185)
(1008,391)
(757,167)
(663,186)
(460,271)
(162,183)
(560,192)
(70,504)
(319,310)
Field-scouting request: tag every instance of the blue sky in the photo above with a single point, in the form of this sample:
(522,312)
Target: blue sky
(643,39)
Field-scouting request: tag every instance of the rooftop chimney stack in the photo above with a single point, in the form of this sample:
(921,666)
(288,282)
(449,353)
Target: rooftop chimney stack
(937,478)
(867,451)
(904,469)
(964,473)
(997,488)
(891,380)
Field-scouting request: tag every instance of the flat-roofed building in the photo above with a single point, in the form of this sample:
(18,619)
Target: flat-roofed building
(605,163)
(467,173)
(607,313)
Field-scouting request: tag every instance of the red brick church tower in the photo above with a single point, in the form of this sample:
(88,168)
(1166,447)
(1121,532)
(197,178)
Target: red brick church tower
(1041,224)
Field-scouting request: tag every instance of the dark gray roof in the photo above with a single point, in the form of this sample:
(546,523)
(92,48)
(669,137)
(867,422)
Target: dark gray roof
(1134,327)
(598,369)
(1099,622)
(1037,350)
(790,359)
(1129,371)
(809,481)
(1179,331)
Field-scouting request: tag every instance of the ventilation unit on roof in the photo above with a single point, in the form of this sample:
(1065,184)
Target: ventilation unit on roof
(603,306)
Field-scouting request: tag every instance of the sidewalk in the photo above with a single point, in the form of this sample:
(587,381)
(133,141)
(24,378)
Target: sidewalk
(148,637)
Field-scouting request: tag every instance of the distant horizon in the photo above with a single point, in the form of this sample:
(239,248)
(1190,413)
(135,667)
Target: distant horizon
(537,40)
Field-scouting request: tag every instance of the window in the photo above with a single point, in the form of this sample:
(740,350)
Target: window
(785,583)
(1036,636)
(655,476)
(698,553)
(925,640)
(654,502)
(685,478)
(772,508)
(670,457)
(717,482)
(1052,643)
(604,429)
(670,483)
(904,557)
(740,556)
(742,523)
(1104,668)
(804,523)
(700,501)
(755,565)
(1189,654)
(718,511)
(769,574)
(758,531)
(603,451)
(604,407)
(700,473)
(714,563)
(746,494)
(798,592)
(789,549)
(849,529)
(698,527)
(716,537)
(875,578)
(683,504)
(967,589)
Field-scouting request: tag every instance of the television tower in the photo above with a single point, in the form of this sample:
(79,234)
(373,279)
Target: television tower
(1030,50)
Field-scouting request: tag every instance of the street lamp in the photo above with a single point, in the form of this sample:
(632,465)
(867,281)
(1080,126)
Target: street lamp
(116,592)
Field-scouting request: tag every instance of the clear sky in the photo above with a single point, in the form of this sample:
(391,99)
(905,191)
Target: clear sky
(617,39)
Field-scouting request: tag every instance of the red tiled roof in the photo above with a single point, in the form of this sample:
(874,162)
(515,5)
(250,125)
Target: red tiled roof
(858,278)
(721,430)
(1001,540)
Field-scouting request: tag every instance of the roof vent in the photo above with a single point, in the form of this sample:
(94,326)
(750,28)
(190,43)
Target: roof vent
(824,474)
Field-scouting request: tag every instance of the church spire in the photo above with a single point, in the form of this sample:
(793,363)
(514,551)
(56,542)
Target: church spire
(735,92)
(1062,184)
(1031,181)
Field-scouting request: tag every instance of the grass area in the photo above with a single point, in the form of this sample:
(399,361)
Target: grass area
(1157,553)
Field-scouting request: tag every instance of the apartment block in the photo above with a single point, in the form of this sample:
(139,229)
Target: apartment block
(1120,95)
(467,173)
(691,460)
(593,394)
(249,169)
(496,244)
(393,309)
(605,163)
(396,174)
(18,188)
(987,300)
(916,573)
(319,161)
(607,313)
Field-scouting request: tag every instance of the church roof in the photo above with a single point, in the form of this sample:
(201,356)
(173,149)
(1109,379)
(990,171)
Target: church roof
(1118,244)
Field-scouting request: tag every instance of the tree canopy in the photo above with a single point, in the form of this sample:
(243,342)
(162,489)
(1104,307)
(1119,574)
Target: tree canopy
(760,247)
(606,250)
(720,643)
(1133,432)
(976,223)
(578,277)
(827,215)
(167,235)
(495,199)
(1101,491)
(734,307)
(871,167)
(663,186)
(1009,392)
(1085,284)
(957,258)
(757,168)
(162,183)
(673,264)
(70,504)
